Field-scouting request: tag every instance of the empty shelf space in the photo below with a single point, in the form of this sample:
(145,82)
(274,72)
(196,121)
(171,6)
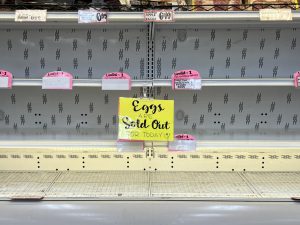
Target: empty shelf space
(150,185)
(99,138)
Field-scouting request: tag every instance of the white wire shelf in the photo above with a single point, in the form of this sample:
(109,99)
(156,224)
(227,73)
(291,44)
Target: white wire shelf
(180,17)
(66,185)
(280,82)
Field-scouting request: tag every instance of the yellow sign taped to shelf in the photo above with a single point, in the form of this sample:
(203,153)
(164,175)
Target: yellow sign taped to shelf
(146,119)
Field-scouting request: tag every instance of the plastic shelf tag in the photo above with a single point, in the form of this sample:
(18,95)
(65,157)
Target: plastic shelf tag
(58,80)
(92,16)
(297,79)
(183,142)
(130,146)
(186,80)
(5,79)
(145,119)
(275,14)
(162,16)
(116,81)
(31,15)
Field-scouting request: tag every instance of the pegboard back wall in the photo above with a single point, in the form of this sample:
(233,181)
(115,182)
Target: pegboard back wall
(235,108)
(227,53)
(90,111)
(90,52)
(27,110)
(84,52)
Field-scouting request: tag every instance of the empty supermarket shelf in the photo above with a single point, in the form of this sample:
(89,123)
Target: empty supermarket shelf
(135,185)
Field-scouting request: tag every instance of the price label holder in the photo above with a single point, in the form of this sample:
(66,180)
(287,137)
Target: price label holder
(145,119)
(5,79)
(186,80)
(160,16)
(183,142)
(116,81)
(130,146)
(58,80)
(275,15)
(297,79)
(31,15)
(92,16)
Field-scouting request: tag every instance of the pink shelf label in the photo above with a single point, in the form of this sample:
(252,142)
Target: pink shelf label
(5,79)
(183,142)
(58,80)
(186,80)
(297,79)
(184,137)
(116,81)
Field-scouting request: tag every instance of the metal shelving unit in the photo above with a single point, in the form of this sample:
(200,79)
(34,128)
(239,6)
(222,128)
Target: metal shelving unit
(246,117)
(168,83)
(62,145)
(226,17)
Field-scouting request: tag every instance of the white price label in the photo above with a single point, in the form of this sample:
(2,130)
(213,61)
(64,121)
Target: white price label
(31,16)
(57,83)
(194,84)
(115,84)
(183,145)
(4,82)
(275,14)
(159,16)
(92,16)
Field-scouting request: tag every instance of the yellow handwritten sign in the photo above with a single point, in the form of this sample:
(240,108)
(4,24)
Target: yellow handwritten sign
(146,119)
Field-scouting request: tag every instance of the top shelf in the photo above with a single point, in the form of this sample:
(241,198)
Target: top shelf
(180,17)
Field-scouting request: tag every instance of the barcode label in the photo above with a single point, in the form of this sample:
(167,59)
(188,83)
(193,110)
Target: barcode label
(159,16)
(4,82)
(275,14)
(115,84)
(92,16)
(194,84)
(57,83)
(30,15)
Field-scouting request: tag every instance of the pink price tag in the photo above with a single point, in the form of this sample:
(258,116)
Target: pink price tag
(5,79)
(116,81)
(186,80)
(58,80)
(297,79)
(185,137)
(183,142)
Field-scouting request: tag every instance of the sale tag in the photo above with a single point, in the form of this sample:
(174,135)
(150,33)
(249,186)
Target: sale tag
(146,119)
(297,79)
(186,80)
(92,16)
(5,79)
(31,16)
(116,81)
(57,80)
(183,142)
(164,16)
(275,14)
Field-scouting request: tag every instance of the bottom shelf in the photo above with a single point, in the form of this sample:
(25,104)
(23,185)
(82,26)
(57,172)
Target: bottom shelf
(135,185)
